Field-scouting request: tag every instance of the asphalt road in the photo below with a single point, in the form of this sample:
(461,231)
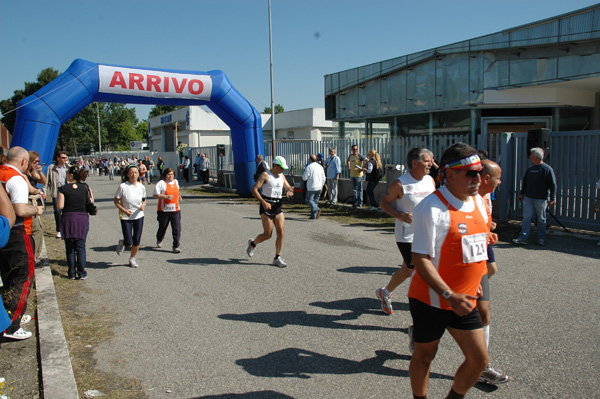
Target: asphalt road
(212,323)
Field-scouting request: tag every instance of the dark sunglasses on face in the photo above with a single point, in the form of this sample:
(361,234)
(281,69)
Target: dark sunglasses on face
(472,173)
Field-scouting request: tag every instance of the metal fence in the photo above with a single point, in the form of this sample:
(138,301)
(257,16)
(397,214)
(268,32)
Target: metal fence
(575,157)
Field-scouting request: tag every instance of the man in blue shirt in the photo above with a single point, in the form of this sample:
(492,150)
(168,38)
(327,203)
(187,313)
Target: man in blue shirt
(539,183)
(334,168)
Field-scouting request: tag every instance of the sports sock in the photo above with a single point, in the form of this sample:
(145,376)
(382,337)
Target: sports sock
(386,292)
(276,256)
(253,244)
(419,397)
(486,333)
(454,395)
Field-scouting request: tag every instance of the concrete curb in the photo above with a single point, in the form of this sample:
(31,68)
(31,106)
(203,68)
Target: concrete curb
(58,380)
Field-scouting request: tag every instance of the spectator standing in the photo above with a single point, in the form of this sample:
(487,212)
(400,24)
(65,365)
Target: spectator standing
(36,176)
(130,199)
(314,176)
(111,169)
(148,164)
(261,166)
(143,170)
(57,177)
(334,169)
(7,221)
(17,261)
(167,192)
(374,173)
(204,169)
(160,165)
(355,164)
(75,223)
(197,161)
(539,183)
(186,168)
(181,150)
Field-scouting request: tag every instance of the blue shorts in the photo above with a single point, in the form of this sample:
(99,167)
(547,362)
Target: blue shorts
(132,231)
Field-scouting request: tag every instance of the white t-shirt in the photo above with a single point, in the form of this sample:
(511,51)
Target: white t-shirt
(431,220)
(161,188)
(131,196)
(414,192)
(17,188)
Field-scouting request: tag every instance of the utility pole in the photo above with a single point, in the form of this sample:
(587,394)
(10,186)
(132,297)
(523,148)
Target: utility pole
(99,137)
(272,95)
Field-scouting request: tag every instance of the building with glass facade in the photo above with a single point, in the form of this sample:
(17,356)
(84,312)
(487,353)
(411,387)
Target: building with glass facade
(545,74)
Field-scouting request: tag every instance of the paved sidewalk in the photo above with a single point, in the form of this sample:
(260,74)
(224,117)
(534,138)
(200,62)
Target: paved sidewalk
(212,323)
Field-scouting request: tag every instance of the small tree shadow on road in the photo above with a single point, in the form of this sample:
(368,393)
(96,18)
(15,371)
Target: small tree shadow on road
(380,270)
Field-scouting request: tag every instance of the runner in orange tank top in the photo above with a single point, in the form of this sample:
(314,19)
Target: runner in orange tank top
(450,255)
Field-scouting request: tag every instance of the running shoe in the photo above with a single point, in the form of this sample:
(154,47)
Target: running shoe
(19,334)
(25,319)
(279,262)
(158,244)
(541,242)
(58,235)
(386,301)
(491,376)
(120,247)
(250,250)
(83,278)
(133,263)
(519,241)
(411,340)
(176,250)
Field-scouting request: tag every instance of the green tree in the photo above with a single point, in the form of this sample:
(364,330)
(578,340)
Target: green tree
(161,110)
(9,106)
(278,109)
(142,130)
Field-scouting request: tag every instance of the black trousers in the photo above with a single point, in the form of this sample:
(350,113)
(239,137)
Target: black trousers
(17,268)
(164,218)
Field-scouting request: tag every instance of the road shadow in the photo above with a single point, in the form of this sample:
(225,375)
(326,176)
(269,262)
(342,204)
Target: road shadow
(214,261)
(301,363)
(358,306)
(248,395)
(302,318)
(379,270)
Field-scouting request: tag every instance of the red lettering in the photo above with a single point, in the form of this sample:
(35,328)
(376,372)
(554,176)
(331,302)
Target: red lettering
(178,88)
(117,80)
(166,85)
(191,86)
(153,82)
(136,79)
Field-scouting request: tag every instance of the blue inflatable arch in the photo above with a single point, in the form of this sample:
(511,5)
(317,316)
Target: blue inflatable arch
(41,115)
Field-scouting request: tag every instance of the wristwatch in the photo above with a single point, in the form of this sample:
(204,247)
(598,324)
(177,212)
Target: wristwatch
(446,294)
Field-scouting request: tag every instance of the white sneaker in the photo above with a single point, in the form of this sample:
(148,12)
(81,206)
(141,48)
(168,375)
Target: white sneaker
(58,235)
(158,244)
(386,301)
(491,376)
(25,319)
(120,247)
(279,262)
(133,263)
(19,334)
(176,250)
(250,250)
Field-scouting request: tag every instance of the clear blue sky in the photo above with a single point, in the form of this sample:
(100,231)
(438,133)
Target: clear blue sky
(311,38)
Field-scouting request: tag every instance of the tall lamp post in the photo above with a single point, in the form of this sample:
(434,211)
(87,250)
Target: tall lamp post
(99,137)
(272,95)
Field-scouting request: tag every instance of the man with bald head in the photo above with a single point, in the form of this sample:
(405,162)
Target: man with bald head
(17,258)
(490,179)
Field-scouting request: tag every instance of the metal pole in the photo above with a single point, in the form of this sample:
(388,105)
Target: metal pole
(99,137)
(272,93)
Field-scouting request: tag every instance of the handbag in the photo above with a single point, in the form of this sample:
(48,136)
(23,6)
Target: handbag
(90,207)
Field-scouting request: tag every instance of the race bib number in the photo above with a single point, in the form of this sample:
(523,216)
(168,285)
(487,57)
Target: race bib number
(170,207)
(276,192)
(474,248)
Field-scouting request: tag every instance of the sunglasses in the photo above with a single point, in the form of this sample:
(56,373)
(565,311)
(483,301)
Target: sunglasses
(472,173)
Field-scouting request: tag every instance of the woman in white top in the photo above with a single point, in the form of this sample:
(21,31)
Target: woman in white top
(130,199)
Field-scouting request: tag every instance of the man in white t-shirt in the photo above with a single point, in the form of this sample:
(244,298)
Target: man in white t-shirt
(314,175)
(402,197)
